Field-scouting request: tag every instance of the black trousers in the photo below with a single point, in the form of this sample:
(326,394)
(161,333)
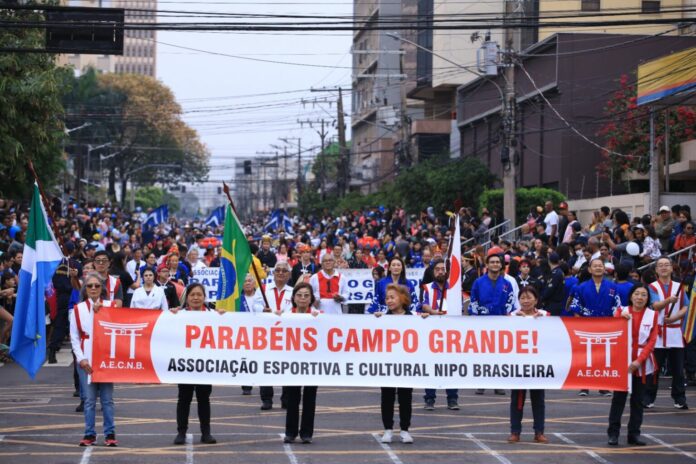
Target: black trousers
(405,396)
(293,395)
(60,324)
(267,394)
(517,398)
(675,360)
(183,406)
(618,403)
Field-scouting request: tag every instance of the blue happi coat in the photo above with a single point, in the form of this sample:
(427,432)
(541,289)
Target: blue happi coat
(588,302)
(491,297)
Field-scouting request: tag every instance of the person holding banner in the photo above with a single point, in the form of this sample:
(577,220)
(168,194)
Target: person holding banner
(302,299)
(279,296)
(80,338)
(195,301)
(596,297)
(329,287)
(397,276)
(434,295)
(149,295)
(398,303)
(644,328)
(529,297)
(671,302)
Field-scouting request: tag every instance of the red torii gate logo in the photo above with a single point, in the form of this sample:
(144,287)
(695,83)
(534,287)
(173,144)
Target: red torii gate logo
(605,339)
(115,330)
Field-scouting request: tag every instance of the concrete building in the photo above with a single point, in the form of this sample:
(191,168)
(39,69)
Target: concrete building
(656,9)
(576,74)
(139,46)
(379,106)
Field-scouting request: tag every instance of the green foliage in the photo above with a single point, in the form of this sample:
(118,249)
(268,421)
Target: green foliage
(440,182)
(526,199)
(30,109)
(152,197)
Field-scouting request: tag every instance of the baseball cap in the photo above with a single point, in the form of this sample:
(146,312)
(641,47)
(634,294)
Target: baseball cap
(664,208)
(563,205)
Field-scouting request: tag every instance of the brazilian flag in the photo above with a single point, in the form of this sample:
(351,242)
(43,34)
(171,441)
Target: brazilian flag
(234,264)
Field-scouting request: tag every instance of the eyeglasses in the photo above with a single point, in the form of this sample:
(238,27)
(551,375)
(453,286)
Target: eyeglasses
(302,295)
(93,286)
(101,261)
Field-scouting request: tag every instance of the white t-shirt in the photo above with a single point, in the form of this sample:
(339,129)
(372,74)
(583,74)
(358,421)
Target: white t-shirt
(154,299)
(550,220)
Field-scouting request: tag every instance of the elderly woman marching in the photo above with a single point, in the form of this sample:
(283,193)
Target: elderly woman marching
(80,338)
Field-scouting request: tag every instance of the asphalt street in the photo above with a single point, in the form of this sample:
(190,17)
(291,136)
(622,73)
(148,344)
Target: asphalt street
(38,424)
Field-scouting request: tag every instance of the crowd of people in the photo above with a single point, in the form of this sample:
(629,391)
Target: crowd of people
(552,266)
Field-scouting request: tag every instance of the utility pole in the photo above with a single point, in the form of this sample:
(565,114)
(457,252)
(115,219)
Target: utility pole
(344,154)
(322,156)
(654,177)
(509,156)
(343,177)
(266,177)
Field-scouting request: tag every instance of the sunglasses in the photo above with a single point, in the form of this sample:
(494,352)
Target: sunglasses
(93,286)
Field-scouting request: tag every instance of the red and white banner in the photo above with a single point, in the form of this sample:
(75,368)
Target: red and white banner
(146,346)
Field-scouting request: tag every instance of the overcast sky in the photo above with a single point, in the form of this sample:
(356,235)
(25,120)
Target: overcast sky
(220,95)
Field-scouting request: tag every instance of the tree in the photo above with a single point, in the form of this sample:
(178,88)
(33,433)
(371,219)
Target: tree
(627,131)
(152,197)
(30,109)
(141,121)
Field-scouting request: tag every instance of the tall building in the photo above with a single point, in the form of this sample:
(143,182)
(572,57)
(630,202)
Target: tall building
(379,106)
(139,46)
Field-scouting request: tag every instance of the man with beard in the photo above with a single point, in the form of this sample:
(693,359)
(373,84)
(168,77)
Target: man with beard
(434,295)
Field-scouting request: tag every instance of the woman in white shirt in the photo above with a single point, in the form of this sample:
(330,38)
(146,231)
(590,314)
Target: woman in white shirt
(149,295)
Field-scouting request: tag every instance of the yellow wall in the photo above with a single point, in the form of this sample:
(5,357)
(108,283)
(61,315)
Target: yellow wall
(573,6)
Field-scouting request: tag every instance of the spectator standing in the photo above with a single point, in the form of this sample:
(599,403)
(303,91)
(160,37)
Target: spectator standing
(330,289)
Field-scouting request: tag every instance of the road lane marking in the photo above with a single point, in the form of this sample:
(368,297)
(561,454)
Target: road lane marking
(288,451)
(590,453)
(86,455)
(189,448)
(502,459)
(390,452)
(672,447)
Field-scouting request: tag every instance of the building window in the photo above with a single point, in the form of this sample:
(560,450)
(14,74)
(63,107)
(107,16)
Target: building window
(590,5)
(650,6)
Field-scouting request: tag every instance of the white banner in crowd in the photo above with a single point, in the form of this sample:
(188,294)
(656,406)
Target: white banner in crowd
(146,346)
(360,283)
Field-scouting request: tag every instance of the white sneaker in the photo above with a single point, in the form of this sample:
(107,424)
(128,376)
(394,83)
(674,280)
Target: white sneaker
(649,405)
(387,437)
(406,437)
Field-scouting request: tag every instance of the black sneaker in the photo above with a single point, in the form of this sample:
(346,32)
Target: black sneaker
(584,393)
(499,392)
(80,407)
(429,405)
(681,405)
(208,439)
(52,357)
(480,391)
(266,405)
(180,438)
(288,439)
(306,440)
(613,440)
(605,393)
(76,394)
(452,405)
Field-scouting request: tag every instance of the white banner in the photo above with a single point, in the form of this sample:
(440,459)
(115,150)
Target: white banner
(141,346)
(360,283)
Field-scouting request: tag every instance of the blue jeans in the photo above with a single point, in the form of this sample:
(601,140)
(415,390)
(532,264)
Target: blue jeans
(452,394)
(106,397)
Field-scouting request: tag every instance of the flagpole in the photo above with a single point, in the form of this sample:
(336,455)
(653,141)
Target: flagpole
(226,189)
(49,210)
(448,261)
